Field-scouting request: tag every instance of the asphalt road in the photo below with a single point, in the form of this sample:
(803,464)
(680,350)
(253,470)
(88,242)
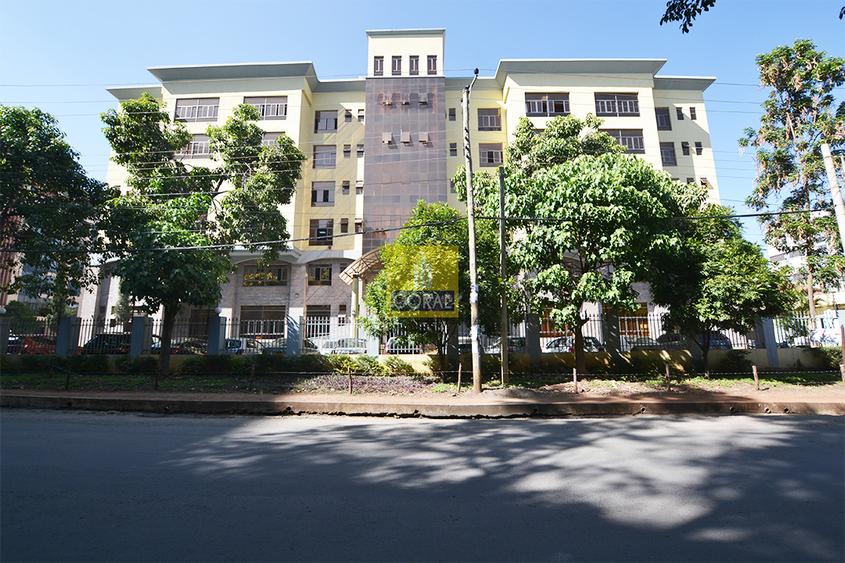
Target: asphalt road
(97,487)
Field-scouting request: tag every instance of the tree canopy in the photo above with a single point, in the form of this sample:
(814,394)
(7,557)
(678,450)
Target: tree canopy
(686,11)
(51,212)
(436,224)
(173,228)
(799,114)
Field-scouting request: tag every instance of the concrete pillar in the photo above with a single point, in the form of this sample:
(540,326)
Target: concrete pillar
(766,329)
(612,340)
(5,328)
(139,336)
(294,338)
(356,291)
(67,336)
(216,334)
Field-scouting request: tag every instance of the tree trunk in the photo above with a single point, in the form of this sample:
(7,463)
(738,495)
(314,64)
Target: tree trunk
(580,356)
(166,336)
(705,352)
(811,296)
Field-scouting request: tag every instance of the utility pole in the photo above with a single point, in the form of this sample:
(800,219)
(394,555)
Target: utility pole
(503,257)
(835,192)
(473,271)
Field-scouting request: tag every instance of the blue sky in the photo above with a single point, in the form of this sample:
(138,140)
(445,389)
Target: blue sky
(60,55)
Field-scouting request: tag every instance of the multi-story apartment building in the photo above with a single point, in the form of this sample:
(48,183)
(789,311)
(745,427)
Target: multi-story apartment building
(379,143)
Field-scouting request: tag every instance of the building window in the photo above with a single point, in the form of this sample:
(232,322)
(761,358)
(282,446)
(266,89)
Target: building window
(396,66)
(347,151)
(617,105)
(543,105)
(704,182)
(341,314)
(452,114)
(274,107)
(490,154)
(685,148)
(276,274)
(321,231)
(631,139)
(325,121)
(269,139)
(347,116)
(690,180)
(197,148)
(453,149)
(679,113)
(344,225)
(692,114)
(359,225)
(452,186)
(488,120)
(319,274)
(699,148)
(360,116)
(266,321)
(344,187)
(432,64)
(317,319)
(322,194)
(360,150)
(378,66)
(325,156)
(197,109)
(667,154)
(359,187)
(414,65)
(663,121)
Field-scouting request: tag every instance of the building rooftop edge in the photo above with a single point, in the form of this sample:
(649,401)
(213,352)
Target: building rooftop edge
(412,31)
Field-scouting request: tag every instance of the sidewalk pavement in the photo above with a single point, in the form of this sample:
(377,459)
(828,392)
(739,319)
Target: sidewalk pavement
(825,400)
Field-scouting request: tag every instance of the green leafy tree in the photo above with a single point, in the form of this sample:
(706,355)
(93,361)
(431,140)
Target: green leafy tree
(435,224)
(716,280)
(531,152)
(686,11)
(50,210)
(799,115)
(172,229)
(597,222)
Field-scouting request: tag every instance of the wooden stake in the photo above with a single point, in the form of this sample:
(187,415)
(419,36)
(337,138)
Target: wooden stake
(842,372)
(575,378)
(668,378)
(459,376)
(349,375)
(756,377)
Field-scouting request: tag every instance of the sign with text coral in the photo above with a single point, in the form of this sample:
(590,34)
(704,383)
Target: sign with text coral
(422,281)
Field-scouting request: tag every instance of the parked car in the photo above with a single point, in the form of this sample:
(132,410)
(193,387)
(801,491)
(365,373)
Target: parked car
(643,343)
(400,345)
(38,345)
(274,346)
(515,344)
(14,344)
(349,346)
(567,344)
(675,341)
(108,343)
(181,345)
(240,346)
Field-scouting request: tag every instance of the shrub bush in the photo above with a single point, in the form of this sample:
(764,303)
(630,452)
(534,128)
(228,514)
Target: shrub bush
(734,361)
(143,365)
(397,366)
(829,357)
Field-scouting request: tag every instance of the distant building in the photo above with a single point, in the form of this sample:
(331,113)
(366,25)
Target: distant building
(379,143)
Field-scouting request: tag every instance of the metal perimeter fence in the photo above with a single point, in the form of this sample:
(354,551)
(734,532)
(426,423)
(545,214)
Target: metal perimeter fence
(324,334)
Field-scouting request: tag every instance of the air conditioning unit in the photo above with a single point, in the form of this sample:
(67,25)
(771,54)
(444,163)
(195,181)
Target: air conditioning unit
(424,138)
(423,99)
(387,137)
(405,136)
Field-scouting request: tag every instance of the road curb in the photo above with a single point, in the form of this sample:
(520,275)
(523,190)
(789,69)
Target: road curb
(283,406)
